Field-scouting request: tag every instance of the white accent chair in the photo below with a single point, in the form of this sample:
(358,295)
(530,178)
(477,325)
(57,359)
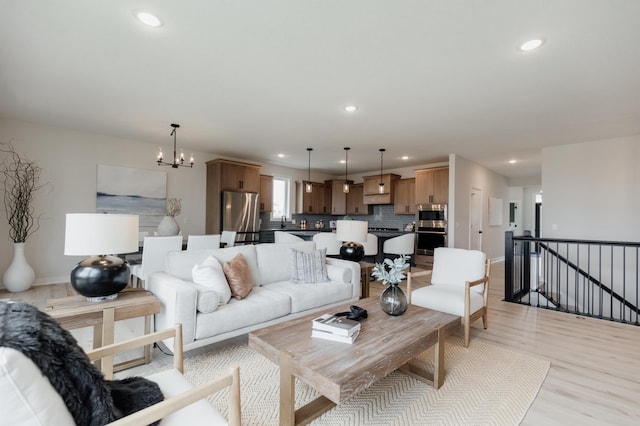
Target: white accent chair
(196,242)
(371,246)
(229,238)
(459,285)
(154,250)
(329,241)
(29,397)
(400,245)
(285,237)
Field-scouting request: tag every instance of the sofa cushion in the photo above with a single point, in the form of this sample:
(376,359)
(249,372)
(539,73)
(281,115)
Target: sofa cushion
(27,395)
(261,305)
(339,274)
(310,296)
(309,267)
(209,274)
(446,298)
(274,260)
(238,276)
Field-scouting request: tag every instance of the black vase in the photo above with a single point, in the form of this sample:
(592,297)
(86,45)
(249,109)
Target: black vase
(393,300)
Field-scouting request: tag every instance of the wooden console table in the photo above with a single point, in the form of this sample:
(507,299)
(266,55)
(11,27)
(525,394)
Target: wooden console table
(76,312)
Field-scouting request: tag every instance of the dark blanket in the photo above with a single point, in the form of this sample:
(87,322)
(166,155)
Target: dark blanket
(90,399)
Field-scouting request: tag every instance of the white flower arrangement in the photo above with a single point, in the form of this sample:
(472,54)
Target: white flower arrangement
(391,271)
(173,208)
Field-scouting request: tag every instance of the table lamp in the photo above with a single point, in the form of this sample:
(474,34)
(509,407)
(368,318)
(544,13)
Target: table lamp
(352,233)
(101,236)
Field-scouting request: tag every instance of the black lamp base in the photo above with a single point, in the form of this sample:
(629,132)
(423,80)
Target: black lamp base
(352,251)
(100,277)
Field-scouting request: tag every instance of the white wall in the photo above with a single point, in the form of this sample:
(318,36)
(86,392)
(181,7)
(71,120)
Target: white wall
(464,175)
(69,162)
(591,190)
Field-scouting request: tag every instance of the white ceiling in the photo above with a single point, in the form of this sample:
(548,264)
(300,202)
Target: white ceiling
(254,78)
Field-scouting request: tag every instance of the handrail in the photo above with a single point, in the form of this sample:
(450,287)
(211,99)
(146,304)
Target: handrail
(593,278)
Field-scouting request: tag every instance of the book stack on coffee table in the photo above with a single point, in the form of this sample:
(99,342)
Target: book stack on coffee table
(335,328)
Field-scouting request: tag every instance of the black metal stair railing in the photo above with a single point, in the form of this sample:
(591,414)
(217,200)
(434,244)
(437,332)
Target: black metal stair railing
(585,277)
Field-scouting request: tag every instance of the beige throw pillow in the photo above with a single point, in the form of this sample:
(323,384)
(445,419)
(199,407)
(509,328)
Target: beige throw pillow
(239,276)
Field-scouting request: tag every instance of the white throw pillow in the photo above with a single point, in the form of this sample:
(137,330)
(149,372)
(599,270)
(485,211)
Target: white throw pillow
(209,274)
(309,267)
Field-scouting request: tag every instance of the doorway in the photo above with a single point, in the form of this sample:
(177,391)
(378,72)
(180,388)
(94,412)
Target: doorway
(475,219)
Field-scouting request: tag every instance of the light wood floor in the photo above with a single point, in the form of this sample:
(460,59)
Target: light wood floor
(595,365)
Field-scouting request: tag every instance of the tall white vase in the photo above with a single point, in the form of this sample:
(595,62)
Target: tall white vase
(19,276)
(168,226)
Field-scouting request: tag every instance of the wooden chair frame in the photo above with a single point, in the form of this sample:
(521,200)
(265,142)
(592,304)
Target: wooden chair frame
(467,319)
(170,405)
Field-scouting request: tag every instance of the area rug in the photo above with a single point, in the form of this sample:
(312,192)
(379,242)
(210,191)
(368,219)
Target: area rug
(484,385)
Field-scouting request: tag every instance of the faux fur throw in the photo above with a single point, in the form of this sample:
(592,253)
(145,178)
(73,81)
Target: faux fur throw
(90,399)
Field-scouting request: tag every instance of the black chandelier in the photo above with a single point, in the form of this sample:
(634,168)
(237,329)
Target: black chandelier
(177,161)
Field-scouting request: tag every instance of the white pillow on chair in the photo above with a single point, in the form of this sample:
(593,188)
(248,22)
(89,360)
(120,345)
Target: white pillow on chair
(27,397)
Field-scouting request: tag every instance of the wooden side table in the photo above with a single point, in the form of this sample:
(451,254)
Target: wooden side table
(76,312)
(365,278)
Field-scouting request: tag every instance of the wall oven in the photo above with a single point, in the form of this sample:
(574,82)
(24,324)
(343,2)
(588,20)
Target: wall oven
(431,231)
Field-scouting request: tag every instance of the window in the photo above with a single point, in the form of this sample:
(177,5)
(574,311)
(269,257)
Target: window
(281,198)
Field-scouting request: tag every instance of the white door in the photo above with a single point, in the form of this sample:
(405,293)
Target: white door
(475,219)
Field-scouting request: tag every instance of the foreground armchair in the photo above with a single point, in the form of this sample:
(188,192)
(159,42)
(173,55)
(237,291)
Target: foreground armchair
(459,286)
(178,391)
(46,378)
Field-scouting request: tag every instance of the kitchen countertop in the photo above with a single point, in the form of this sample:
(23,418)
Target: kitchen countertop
(312,232)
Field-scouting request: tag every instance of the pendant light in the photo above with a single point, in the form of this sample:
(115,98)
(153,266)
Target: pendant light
(381,184)
(176,161)
(308,187)
(345,185)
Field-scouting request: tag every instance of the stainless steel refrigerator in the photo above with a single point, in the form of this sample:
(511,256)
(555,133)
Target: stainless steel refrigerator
(241,213)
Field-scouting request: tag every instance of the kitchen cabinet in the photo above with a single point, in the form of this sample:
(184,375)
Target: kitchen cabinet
(355,201)
(227,175)
(318,200)
(432,186)
(266,193)
(405,196)
(338,197)
(236,176)
(371,189)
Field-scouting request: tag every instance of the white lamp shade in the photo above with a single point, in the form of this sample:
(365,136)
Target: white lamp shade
(90,234)
(352,230)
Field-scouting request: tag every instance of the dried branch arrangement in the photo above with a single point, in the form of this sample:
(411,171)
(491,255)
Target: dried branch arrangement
(174,207)
(21,182)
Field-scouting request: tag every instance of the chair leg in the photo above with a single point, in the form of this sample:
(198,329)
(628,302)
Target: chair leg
(466,332)
(485,321)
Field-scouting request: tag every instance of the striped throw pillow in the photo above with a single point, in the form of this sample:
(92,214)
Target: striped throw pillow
(309,267)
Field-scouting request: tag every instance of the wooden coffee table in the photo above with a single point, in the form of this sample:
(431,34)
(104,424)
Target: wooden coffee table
(338,370)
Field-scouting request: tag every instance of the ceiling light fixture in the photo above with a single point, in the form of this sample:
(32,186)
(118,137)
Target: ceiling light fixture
(351,108)
(308,187)
(280,155)
(381,184)
(405,157)
(177,161)
(531,44)
(149,19)
(513,161)
(345,185)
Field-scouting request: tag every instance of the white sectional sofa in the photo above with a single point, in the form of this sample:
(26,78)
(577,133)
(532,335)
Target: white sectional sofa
(206,319)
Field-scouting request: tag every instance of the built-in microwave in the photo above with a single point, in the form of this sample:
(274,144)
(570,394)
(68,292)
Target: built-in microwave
(431,212)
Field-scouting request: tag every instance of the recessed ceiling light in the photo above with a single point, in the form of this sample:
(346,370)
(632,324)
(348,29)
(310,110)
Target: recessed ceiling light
(280,155)
(149,19)
(351,108)
(531,44)
(513,161)
(342,161)
(405,157)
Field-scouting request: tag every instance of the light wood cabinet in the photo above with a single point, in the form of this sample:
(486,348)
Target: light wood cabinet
(227,175)
(405,196)
(318,201)
(355,201)
(338,204)
(266,193)
(432,185)
(371,189)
